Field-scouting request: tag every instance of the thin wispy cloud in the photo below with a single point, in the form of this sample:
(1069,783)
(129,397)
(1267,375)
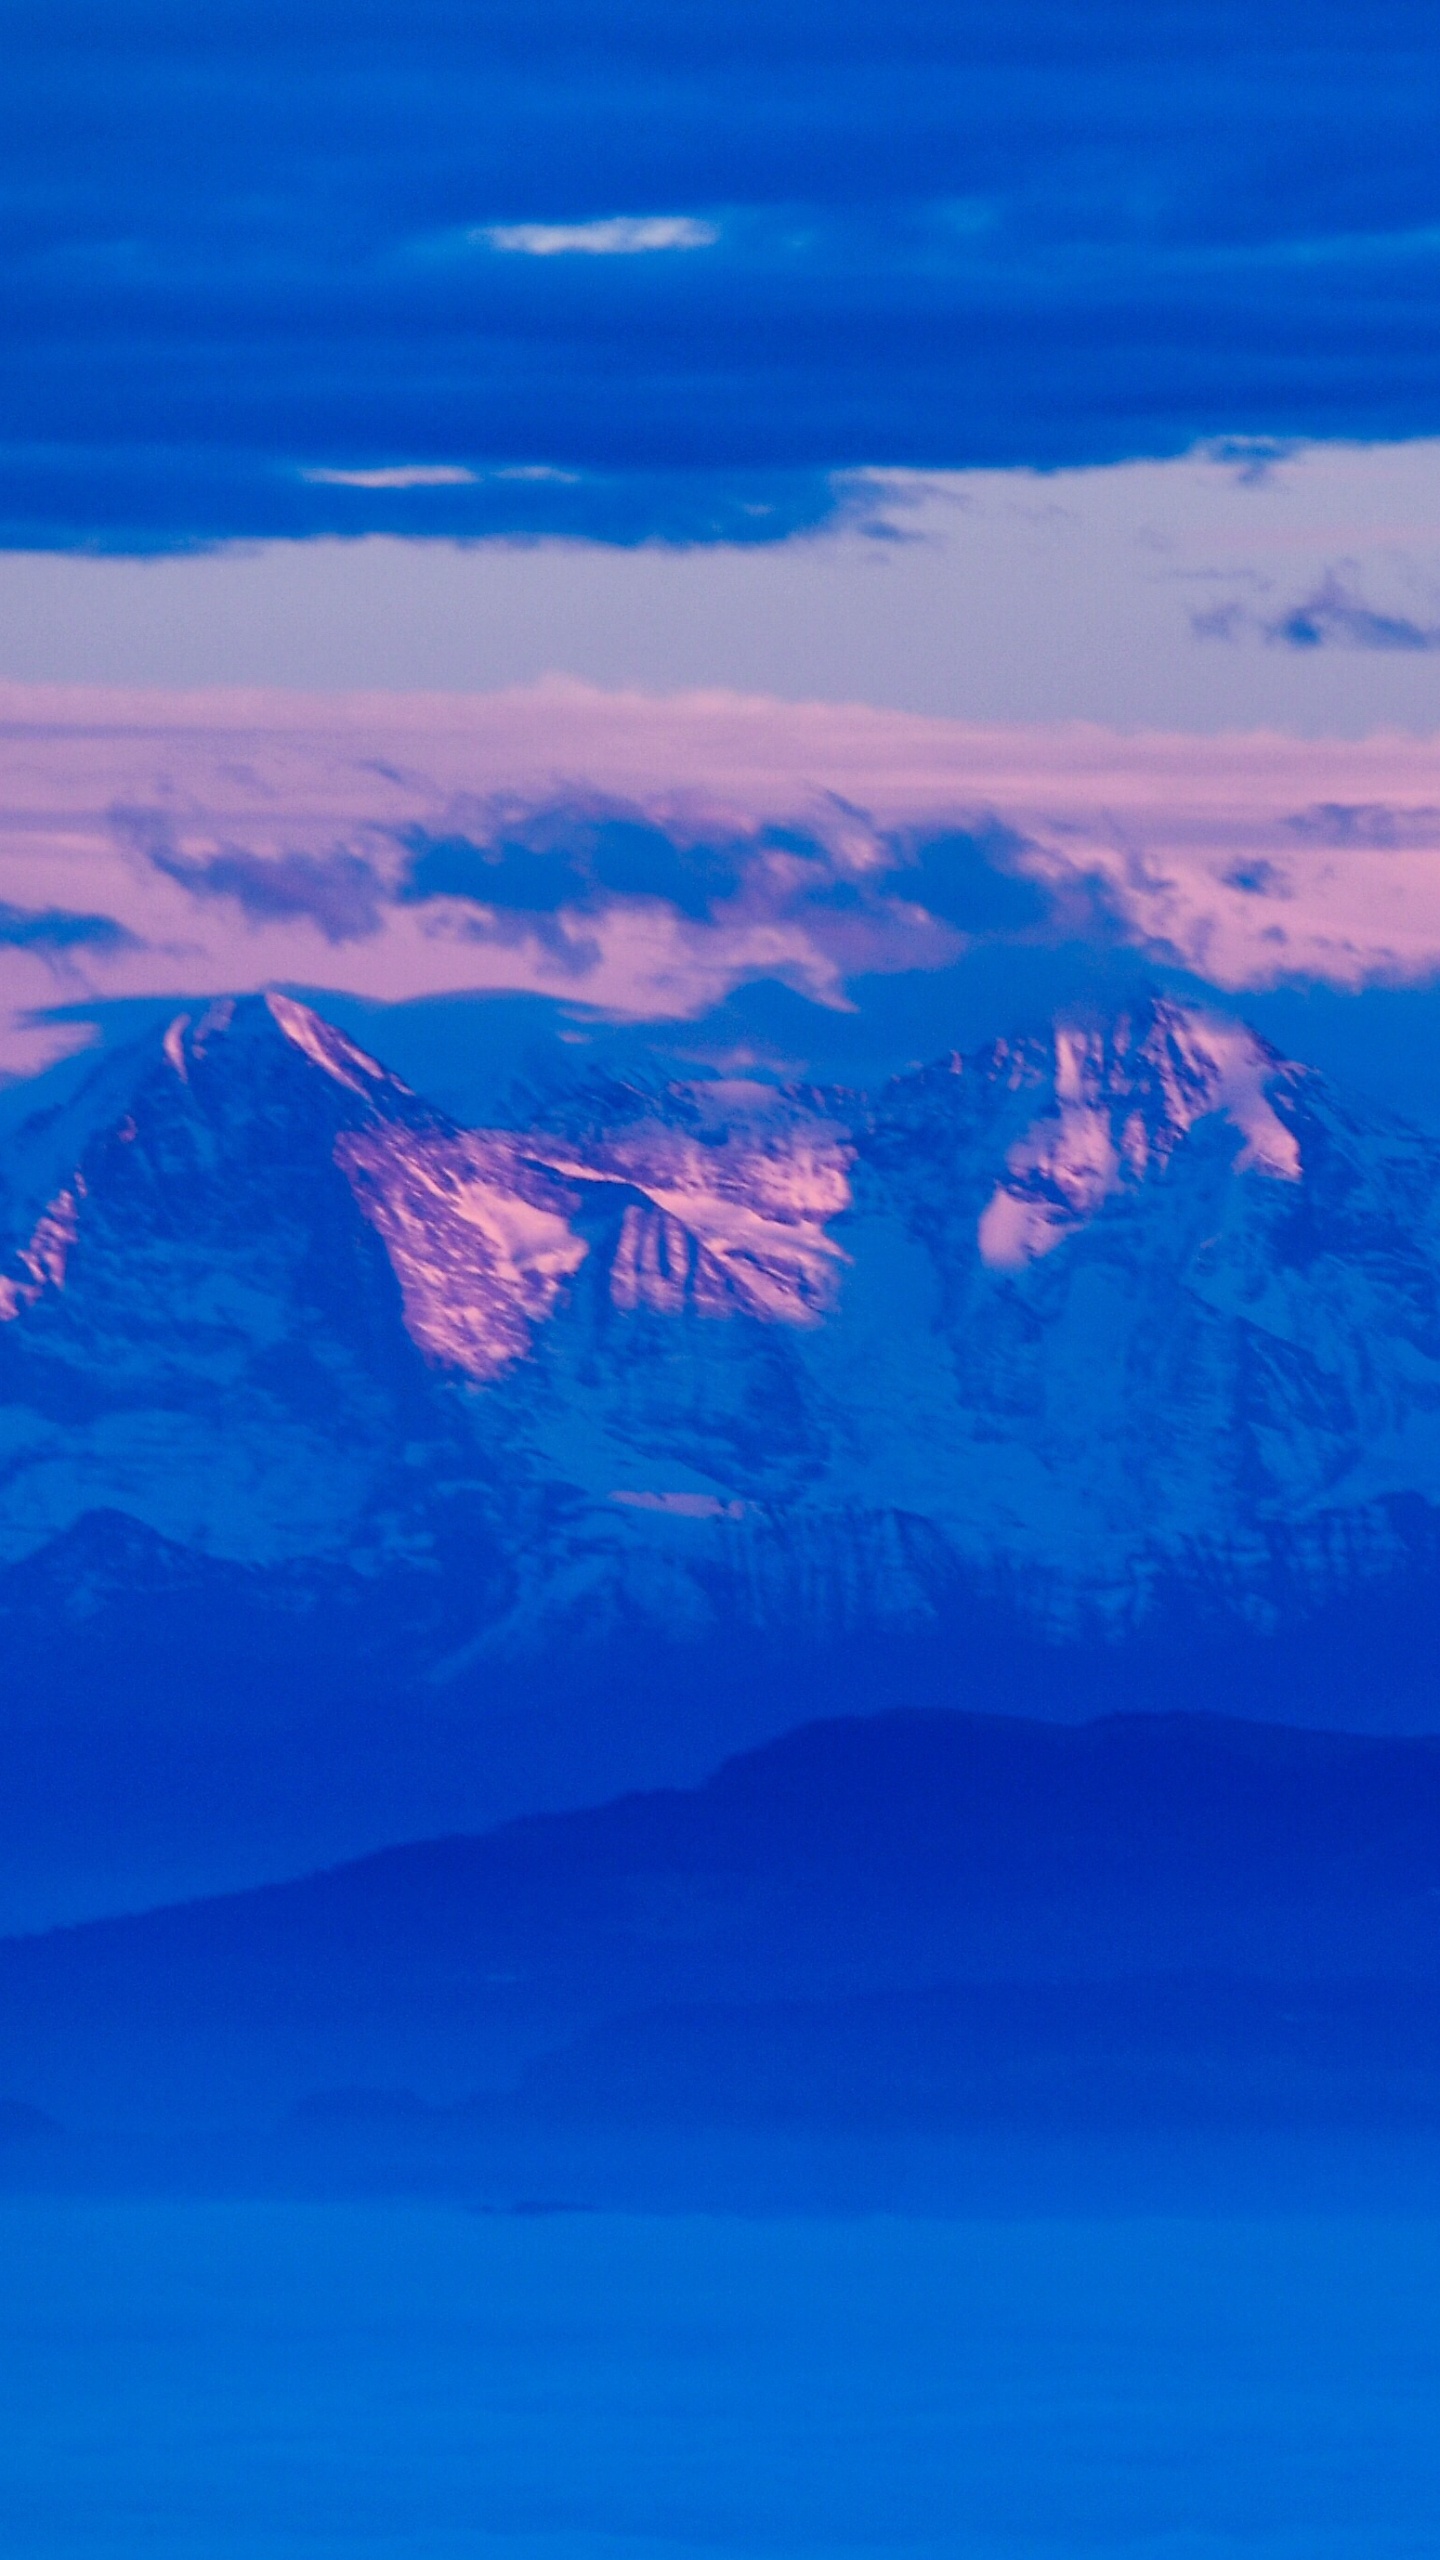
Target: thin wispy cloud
(395,475)
(619,235)
(1334,613)
(337,891)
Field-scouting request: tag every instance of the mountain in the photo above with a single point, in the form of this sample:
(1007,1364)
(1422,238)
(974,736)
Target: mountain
(360,1472)
(906,1919)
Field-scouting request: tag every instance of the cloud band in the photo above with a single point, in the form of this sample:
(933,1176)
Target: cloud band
(642,856)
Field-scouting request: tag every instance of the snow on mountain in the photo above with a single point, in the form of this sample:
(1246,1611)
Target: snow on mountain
(733,1223)
(478,1235)
(40,1263)
(478,1227)
(1121,1106)
(1081,1316)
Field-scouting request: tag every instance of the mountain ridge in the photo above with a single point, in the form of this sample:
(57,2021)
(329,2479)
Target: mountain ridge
(1106,1155)
(1088,1370)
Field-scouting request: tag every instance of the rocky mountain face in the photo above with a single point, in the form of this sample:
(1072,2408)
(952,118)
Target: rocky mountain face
(1111,1357)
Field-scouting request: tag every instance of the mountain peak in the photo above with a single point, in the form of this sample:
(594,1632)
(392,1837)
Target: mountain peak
(1122,1098)
(232,1028)
(250,1107)
(1119,1288)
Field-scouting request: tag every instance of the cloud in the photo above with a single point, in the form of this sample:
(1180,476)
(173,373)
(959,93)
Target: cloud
(54,931)
(1197,222)
(617,235)
(538,860)
(1334,615)
(644,856)
(394,475)
(176,494)
(339,892)
(392,848)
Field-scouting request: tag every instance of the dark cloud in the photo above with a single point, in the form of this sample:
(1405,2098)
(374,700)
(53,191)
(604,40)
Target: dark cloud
(1334,615)
(550,872)
(1257,879)
(243,246)
(969,881)
(55,930)
(540,861)
(1228,621)
(139,500)
(338,891)
(1352,825)
(534,863)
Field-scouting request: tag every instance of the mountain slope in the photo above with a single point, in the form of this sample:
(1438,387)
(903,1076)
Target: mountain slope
(1100,1368)
(1088,1304)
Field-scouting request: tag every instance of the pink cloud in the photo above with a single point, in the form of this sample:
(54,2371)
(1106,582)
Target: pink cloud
(212,842)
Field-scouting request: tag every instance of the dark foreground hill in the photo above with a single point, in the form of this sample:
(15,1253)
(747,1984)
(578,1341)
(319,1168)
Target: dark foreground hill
(905,1921)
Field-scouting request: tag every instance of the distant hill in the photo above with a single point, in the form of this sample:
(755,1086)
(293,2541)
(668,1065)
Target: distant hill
(912,1918)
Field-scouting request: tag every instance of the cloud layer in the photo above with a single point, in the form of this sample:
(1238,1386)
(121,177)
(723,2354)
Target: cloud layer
(641,857)
(690,261)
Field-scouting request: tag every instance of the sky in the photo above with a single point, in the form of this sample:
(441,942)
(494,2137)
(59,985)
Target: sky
(1300,590)
(812,535)
(337,266)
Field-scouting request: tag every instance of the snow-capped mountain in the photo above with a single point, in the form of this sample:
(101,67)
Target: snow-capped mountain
(259,1311)
(1089,1309)
(1120,1330)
